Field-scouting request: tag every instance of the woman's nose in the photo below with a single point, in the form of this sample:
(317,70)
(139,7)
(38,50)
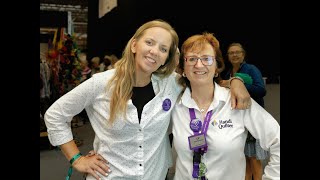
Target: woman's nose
(199,63)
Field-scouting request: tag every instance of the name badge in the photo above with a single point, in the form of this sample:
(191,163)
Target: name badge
(197,141)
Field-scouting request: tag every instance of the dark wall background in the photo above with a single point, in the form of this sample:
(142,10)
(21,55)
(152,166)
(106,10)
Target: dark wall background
(52,19)
(255,24)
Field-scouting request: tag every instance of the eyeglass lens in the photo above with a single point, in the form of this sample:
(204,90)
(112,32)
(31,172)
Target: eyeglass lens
(206,60)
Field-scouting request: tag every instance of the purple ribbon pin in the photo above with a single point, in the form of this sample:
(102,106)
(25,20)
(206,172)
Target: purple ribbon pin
(166,104)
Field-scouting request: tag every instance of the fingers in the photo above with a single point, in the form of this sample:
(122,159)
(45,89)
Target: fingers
(240,102)
(243,104)
(94,164)
(99,168)
(249,104)
(102,159)
(92,153)
(240,97)
(94,174)
(101,171)
(100,164)
(103,165)
(233,101)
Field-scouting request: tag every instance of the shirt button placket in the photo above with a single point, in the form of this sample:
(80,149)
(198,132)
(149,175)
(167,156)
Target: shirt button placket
(140,153)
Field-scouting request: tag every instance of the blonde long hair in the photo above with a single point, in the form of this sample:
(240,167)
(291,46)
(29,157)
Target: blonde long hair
(123,80)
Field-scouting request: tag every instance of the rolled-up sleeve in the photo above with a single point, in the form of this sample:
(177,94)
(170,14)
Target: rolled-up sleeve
(60,113)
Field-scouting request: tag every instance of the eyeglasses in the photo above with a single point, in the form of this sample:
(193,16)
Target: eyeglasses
(205,60)
(234,53)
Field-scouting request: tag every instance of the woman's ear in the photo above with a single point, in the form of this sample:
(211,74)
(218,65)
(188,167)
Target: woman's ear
(133,46)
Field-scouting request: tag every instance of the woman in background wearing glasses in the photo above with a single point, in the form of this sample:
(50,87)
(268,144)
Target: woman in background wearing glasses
(255,85)
(208,136)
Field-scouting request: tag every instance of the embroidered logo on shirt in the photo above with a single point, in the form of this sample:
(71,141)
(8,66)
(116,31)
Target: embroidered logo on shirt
(214,123)
(223,123)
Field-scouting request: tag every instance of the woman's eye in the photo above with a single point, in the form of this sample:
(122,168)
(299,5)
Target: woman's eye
(192,59)
(148,42)
(164,50)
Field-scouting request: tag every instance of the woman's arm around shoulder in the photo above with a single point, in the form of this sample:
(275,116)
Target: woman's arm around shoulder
(240,97)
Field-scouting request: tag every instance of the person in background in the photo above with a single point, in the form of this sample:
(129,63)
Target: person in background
(208,136)
(129,108)
(86,74)
(95,65)
(106,62)
(254,83)
(86,71)
(113,59)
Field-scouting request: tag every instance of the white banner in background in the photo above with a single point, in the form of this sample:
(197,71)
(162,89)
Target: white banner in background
(106,6)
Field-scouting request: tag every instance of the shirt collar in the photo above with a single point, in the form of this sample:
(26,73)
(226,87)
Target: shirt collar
(155,79)
(220,96)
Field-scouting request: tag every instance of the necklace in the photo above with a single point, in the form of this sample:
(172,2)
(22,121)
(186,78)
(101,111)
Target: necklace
(203,108)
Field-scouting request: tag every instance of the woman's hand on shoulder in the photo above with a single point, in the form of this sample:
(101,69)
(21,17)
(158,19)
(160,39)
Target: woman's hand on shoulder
(240,97)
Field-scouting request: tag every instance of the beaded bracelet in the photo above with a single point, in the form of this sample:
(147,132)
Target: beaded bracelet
(75,157)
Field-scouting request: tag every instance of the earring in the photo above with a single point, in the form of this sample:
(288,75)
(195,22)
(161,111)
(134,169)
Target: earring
(216,75)
(183,74)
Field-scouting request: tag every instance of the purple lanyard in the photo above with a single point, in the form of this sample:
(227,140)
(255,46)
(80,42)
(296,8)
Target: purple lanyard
(199,152)
(205,122)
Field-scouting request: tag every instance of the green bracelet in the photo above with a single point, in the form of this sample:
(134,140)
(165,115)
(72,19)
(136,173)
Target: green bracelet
(75,157)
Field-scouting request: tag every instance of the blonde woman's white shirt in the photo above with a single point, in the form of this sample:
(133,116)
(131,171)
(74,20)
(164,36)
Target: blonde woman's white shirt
(226,137)
(135,151)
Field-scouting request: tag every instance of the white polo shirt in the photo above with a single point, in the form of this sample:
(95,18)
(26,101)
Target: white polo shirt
(135,151)
(226,137)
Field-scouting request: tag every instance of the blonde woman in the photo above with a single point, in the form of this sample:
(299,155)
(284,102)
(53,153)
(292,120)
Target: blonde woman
(129,108)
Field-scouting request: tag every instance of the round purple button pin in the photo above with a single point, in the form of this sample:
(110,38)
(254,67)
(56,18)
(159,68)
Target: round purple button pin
(166,105)
(195,125)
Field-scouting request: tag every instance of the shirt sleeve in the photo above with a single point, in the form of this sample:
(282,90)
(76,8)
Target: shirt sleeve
(60,113)
(264,127)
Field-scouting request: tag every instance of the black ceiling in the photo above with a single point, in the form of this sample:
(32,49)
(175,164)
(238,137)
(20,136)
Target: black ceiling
(255,24)
(83,3)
